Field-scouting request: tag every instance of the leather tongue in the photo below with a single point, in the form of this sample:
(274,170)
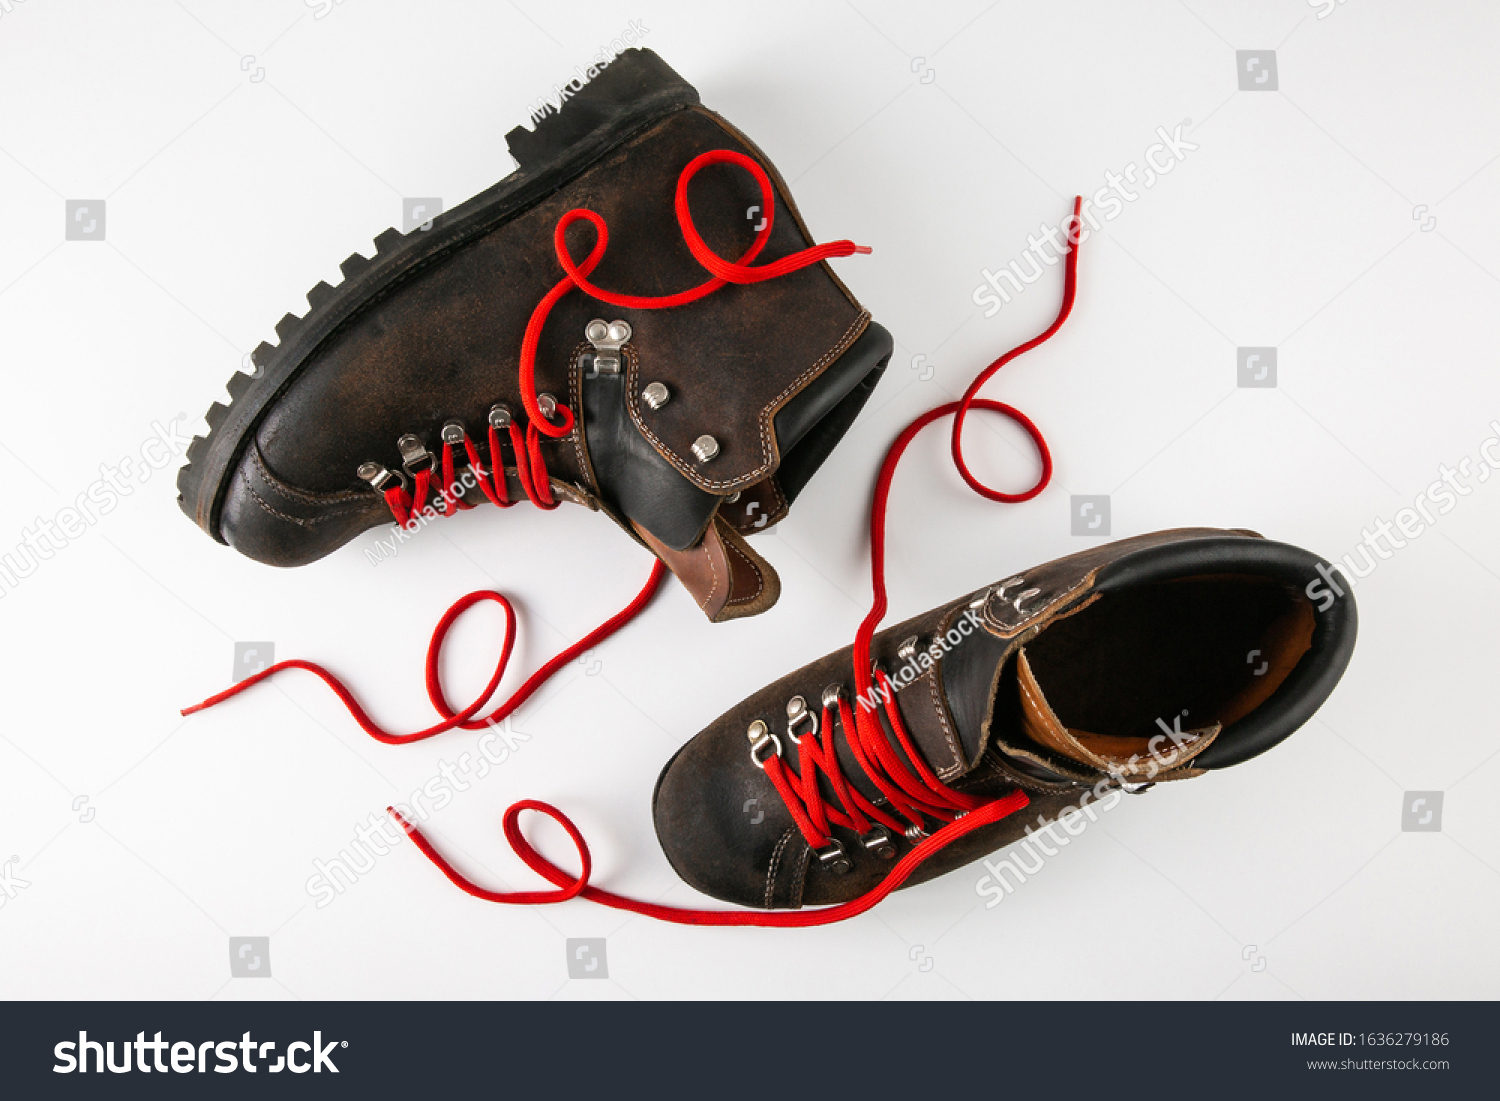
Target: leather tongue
(726,577)
(1128,757)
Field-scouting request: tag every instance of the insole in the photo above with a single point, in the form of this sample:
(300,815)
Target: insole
(1214,647)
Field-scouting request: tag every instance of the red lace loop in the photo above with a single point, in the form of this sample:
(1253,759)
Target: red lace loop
(531,465)
(576,886)
(464,719)
(723,271)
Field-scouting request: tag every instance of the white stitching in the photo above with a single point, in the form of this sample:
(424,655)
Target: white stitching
(760,581)
(767,436)
(299,521)
(709,554)
(937,705)
(291,492)
(775,859)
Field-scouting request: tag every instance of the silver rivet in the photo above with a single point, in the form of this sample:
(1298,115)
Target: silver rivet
(705,448)
(379,477)
(411,448)
(596,331)
(757,731)
(547,404)
(908,649)
(834,858)
(879,842)
(831,695)
(619,332)
(795,706)
(500,415)
(453,432)
(656,395)
(732,498)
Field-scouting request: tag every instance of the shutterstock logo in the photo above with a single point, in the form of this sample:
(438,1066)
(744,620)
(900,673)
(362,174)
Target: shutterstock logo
(190,1057)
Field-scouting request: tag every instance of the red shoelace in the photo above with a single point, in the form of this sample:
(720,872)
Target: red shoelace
(531,466)
(918,799)
(531,472)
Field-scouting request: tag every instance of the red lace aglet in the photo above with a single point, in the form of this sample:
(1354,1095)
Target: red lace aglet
(864,249)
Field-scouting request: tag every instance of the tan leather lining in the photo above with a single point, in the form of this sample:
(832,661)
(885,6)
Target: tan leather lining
(725,576)
(1105,752)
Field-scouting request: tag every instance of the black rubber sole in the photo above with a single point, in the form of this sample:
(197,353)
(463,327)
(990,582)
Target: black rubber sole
(635,91)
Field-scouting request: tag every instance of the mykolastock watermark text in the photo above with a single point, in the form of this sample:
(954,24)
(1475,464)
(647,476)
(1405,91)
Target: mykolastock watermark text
(634,31)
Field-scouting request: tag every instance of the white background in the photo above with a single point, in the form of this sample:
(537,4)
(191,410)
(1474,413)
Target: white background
(1292,225)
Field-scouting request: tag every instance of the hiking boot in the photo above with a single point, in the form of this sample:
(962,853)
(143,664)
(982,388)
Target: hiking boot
(1158,658)
(462,363)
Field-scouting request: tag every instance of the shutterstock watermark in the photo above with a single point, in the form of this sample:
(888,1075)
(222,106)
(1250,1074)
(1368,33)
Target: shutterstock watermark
(994,885)
(47,536)
(379,834)
(8,6)
(1438,499)
(1161,158)
(1004,875)
(634,31)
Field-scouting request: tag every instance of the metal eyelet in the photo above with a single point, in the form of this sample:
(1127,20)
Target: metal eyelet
(453,432)
(413,454)
(915,833)
(500,416)
(796,711)
(833,857)
(761,737)
(831,696)
(379,477)
(879,842)
(1006,584)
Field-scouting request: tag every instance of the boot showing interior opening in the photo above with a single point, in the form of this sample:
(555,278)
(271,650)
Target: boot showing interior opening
(1197,651)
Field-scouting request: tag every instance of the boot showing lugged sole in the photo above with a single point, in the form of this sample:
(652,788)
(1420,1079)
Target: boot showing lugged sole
(1163,657)
(464,363)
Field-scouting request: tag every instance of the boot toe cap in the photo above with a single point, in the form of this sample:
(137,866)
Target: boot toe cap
(271,521)
(721,823)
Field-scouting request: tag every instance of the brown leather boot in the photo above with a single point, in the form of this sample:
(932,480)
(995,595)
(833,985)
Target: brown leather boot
(1163,657)
(690,421)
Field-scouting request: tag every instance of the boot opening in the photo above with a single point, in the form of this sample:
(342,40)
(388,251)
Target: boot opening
(1187,656)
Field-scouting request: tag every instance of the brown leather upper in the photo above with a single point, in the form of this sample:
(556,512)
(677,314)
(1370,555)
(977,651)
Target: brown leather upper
(980,715)
(447,344)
